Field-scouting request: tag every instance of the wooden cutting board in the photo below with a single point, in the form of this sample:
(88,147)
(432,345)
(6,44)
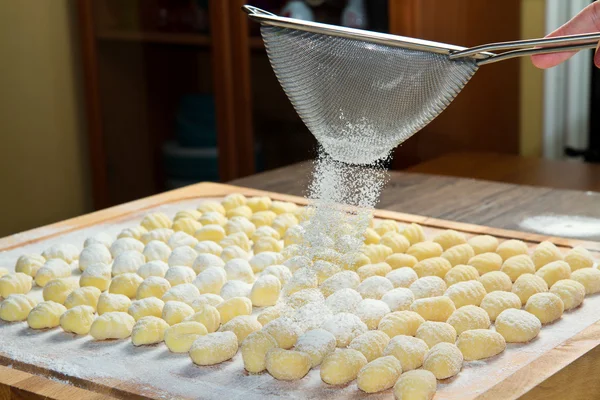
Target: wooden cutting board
(567,370)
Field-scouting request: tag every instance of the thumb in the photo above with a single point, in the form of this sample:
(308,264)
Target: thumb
(597,56)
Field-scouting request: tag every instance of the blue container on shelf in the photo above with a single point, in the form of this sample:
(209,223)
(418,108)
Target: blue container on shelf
(195,123)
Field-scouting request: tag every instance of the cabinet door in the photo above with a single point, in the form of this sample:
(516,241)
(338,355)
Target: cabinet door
(485,115)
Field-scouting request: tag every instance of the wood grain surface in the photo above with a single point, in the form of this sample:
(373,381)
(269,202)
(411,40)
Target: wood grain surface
(562,371)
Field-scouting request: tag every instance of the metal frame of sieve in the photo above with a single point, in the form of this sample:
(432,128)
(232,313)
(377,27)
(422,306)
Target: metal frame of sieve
(482,54)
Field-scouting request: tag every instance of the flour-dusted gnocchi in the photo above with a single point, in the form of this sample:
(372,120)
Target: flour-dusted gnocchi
(434,266)
(401,260)
(418,384)
(338,281)
(428,286)
(156,220)
(378,269)
(254,351)
(259,203)
(162,234)
(469,317)
(449,238)
(211,206)
(466,293)
(108,302)
(29,264)
(478,344)
(174,312)
(189,213)
(374,287)
(178,275)
(433,333)
(554,272)
(148,330)
(395,241)
(371,344)
(518,265)
(344,300)
(233,307)
(205,261)
(527,285)
(284,330)
(379,374)
(496,302)
(547,307)
(78,319)
(150,307)
(398,299)
(578,258)
(45,315)
(186,225)
(208,316)
(210,280)
(85,296)
(545,253)
(342,366)
(17,283)
(126,284)
(496,280)
(156,250)
(410,351)
(102,238)
(16,307)
(259,262)
(153,268)
(58,289)
(94,254)
(265,291)
(207,298)
(135,232)
(180,337)
(589,278)
(125,244)
(263,219)
(401,323)
(486,262)
(97,275)
(570,292)
(128,262)
(242,326)
(112,325)
(371,311)
(483,244)
(434,308)
(63,251)
(345,327)
(414,233)
(281,272)
(424,250)
(212,218)
(214,348)
(444,360)
(517,326)
(231,252)
(459,254)
(182,256)
(153,286)
(185,293)
(239,269)
(235,288)
(211,232)
(53,268)
(461,273)
(511,248)
(240,239)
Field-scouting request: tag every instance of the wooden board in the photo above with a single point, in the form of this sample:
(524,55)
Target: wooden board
(565,367)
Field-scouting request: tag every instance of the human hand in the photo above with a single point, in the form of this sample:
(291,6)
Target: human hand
(587,21)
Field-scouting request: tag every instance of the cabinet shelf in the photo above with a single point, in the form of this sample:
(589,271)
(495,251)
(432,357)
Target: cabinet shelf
(188,39)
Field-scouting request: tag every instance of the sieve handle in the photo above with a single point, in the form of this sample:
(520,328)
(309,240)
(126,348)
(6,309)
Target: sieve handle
(521,48)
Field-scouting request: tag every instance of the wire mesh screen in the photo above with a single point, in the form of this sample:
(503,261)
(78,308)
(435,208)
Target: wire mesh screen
(359,99)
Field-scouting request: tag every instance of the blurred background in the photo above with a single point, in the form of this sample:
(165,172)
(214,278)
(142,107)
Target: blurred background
(107,101)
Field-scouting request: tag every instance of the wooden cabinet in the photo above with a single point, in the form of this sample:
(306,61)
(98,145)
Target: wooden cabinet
(136,71)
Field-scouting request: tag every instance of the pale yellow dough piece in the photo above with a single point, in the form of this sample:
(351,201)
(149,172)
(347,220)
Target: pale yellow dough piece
(461,273)
(527,285)
(434,308)
(545,253)
(547,307)
(180,337)
(127,262)
(205,261)
(126,284)
(399,299)
(16,307)
(148,330)
(345,327)
(109,302)
(371,344)
(478,344)
(190,213)
(395,241)
(112,325)
(288,365)
(254,351)
(496,302)
(45,315)
(183,252)
(371,311)
(58,289)
(317,343)
(126,244)
(402,277)
(97,275)
(460,254)
(208,206)
(78,319)
(259,203)
(424,250)
(432,333)
(135,232)
(17,283)
(414,233)
(29,264)
(554,272)
(570,292)
(415,385)
(371,236)
(53,268)
(242,326)
(150,306)
(400,260)
(187,225)
(63,251)
(466,293)
(483,244)
(486,262)
(379,374)
(178,275)
(511,248)
(212,232)
(156,220)
(410,351)
(496,280)
(444,360)
(153,286)
(156,250)
(517,326)
(428,286)
(233,307)
(578,258)
(469,317)
(342,366)
(518,265)
(401,323)
(175,311)
(449,238)
(214,348)
(153,268)
(376,252)
(162,234)
(434,266)
(341,280)
(85,296)
(589,278)
(208,316)
(284,330)
(386,225)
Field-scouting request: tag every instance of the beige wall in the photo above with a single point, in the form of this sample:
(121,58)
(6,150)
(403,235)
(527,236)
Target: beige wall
(43,154)
(532,82)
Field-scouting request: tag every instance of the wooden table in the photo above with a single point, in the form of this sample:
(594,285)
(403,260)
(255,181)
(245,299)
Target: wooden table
(493,204)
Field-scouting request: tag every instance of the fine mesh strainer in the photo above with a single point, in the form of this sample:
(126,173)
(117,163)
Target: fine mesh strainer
(363,93)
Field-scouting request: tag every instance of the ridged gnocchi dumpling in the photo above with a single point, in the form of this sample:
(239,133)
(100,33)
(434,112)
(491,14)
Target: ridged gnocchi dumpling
(16,307)
(17,283)
(112,325)
(45,315)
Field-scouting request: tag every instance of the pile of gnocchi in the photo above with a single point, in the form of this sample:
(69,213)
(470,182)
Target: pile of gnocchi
(403,311)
